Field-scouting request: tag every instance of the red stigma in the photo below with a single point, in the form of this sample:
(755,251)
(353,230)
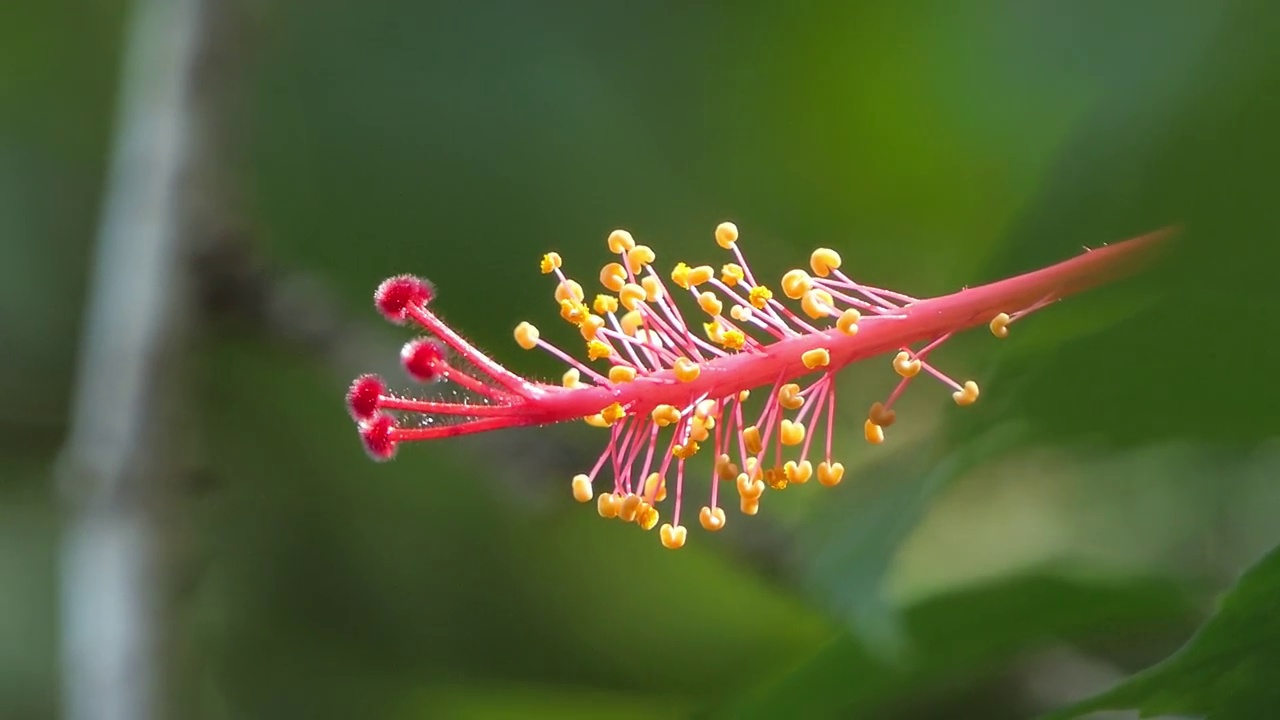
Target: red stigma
(379,437)
(396,295)
(423,360)
(364,396)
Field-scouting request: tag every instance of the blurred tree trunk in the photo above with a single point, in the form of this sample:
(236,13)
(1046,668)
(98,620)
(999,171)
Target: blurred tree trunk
(123,456)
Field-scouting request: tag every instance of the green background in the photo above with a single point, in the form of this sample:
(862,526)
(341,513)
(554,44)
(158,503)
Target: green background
(1071,529)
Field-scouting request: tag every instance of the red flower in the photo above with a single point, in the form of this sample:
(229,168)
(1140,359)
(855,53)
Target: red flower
(674,386)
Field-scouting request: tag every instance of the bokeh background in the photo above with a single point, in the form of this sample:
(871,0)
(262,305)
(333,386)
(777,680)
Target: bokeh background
(1071,529)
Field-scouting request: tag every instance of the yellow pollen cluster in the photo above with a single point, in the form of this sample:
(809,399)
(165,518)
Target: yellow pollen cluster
(597,349)
(613,276)
(816,358)
(569,290)
(639,257)
(605,304)
(550,263)
(905,365)
(796,283)
(726,235)
(789,397)
(526,335)
(823,261)
(691,277)
(732,274)
(759,297)
(848,322)
(1000,325)
(621,374)
(817,303)
(686,370)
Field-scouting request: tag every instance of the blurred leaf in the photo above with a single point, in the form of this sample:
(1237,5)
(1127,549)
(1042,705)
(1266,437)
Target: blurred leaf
(1229,669)
(961,637)
(856,537)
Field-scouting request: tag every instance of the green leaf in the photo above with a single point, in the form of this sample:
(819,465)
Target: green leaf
(1228,669)
(963,636)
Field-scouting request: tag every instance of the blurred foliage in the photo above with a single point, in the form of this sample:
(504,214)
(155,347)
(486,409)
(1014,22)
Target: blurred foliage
(1227,670)
(1119,469)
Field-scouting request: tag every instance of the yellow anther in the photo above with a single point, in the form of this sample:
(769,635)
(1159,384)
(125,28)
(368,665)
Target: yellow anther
(613,413)
(775,479)
(823,261)
(1000,325)
(590,327)
(726,235)
(791,433)
(699,429)
(631,322)
(597,349)
(873,431)
(686,370)
(569,290)
(798,472)
(639,257)
(733,340)
(967,396)
(582,488)
(701,274)
(817,303)
(880,415)
(751,439)
(753,468)
(680,275)
(605,304)
(665,415)
(550,263)
(710,304)
(706,409)
(652,288)
(631,295)
(847,323)
(830,474)
(731,274)
(743,395)
(628,507)
(647,517)
(748,488)
(572,379)
(526,336)
(673,536)
(685,451)
(816,358)
(596,420)
(725,468)
(620,241)
(652,339)
(759,297)
(714,330)
(621,374)
(789,396)
(741,313)
(712,519)
(905,365)
(608,505)
(573,311)
(749,506)
(796,283)
(655,488)
(613,276)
